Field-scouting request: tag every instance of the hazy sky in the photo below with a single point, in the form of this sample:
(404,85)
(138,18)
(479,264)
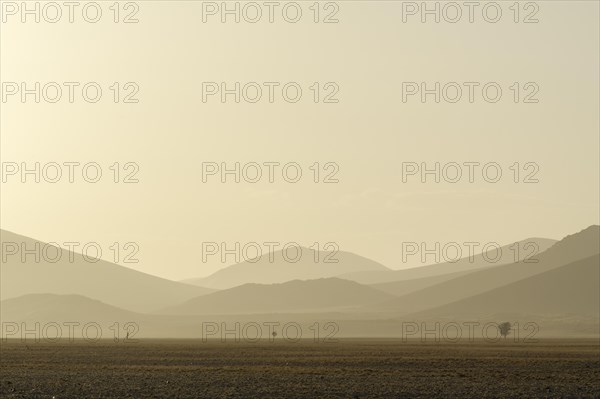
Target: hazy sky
(369,133)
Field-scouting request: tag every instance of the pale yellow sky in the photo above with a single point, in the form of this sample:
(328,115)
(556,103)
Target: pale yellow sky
(369,133)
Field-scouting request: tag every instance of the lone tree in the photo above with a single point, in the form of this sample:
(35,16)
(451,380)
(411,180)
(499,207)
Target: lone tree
(504,328)
(274,334)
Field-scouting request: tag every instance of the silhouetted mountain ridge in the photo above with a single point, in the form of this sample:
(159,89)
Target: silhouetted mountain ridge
(278,269)
(108,282)
(319,295)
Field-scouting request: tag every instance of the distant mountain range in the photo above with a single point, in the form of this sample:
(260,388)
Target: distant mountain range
(570,249)
(561,292)
(530,247)
(45,308)
(107,282)
(571,289)
(276,269)
(321,295)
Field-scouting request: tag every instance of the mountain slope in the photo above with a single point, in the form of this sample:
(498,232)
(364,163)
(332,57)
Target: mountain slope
(508,254)
(72,274)
(573,289)
(404,287)
(570,249)
(52,307)
(278,270)
(67,317)
(295,296)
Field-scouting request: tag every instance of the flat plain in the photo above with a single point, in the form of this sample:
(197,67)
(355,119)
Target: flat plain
(349,368)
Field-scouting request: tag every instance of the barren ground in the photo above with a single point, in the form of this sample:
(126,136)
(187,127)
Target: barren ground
(347,369)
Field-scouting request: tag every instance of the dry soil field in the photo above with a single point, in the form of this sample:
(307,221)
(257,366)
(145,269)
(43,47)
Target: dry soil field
(347,369)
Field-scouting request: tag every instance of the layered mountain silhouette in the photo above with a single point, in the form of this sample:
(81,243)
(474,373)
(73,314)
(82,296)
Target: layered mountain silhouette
(561,292)
(66,316)
(516,252)
(572,289)
(110,283)
(59,308)
(322,295)
(403,287)
(570,249)
(278,269)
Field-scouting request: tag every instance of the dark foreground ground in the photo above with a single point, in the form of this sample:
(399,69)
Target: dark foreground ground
(347,369)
